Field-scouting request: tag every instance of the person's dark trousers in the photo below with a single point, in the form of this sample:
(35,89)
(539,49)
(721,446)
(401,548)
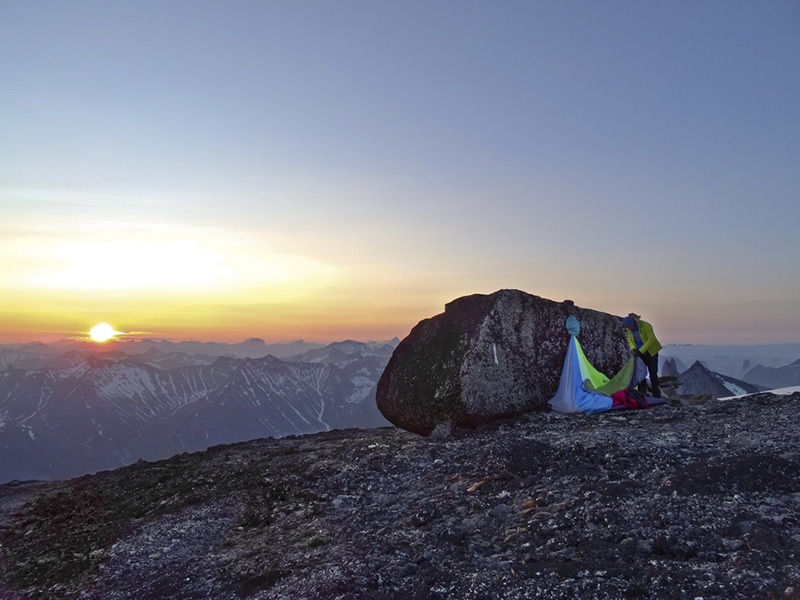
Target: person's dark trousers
(652,368)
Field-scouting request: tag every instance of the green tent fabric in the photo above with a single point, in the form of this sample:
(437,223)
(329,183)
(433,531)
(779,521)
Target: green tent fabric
(582,388)
(620,381)
(595,378)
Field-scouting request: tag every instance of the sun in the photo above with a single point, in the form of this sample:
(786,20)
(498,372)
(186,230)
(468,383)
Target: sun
(102,332)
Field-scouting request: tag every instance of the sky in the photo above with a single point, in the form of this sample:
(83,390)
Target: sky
(319,170)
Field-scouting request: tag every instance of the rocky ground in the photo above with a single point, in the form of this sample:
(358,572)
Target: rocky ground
(687,500)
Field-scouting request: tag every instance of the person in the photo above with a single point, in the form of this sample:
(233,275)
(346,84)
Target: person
(643,343)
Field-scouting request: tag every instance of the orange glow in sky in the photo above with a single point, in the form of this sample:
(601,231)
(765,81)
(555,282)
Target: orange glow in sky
(260,169)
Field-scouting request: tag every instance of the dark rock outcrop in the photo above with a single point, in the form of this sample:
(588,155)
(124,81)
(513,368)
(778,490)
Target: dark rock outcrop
(669,368)
(489,357)
(698,380)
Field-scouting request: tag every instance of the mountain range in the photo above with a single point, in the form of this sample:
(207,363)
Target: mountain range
(158,352)
(72,407)
(722,371)
(64,412)
(698,380)
(732,360)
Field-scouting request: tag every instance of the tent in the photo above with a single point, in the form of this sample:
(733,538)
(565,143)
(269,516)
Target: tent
(583,388)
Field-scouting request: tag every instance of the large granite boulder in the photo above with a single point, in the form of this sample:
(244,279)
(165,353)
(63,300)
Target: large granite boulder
(489,357)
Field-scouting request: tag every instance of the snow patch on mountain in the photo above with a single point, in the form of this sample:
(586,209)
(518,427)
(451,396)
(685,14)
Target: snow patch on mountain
(787,391)
(113,409)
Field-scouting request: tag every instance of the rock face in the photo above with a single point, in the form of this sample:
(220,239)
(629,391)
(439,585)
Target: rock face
(488,357)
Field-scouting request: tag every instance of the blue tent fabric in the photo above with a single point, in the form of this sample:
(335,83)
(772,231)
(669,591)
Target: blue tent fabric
(572,396)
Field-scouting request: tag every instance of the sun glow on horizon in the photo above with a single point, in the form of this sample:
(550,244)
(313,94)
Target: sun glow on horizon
(102,332)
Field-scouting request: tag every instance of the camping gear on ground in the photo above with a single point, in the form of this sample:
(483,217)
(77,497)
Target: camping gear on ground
(583,388)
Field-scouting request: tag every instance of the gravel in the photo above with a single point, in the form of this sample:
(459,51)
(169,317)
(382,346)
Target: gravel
(685,500)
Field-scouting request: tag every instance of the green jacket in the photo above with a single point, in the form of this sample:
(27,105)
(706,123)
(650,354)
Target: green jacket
(650,343)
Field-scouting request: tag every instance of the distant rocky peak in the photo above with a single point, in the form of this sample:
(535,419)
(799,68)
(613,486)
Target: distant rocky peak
(699,380)
(349,346)
(669,368)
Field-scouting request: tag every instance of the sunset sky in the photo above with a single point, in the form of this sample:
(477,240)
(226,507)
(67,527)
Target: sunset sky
(287,169)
